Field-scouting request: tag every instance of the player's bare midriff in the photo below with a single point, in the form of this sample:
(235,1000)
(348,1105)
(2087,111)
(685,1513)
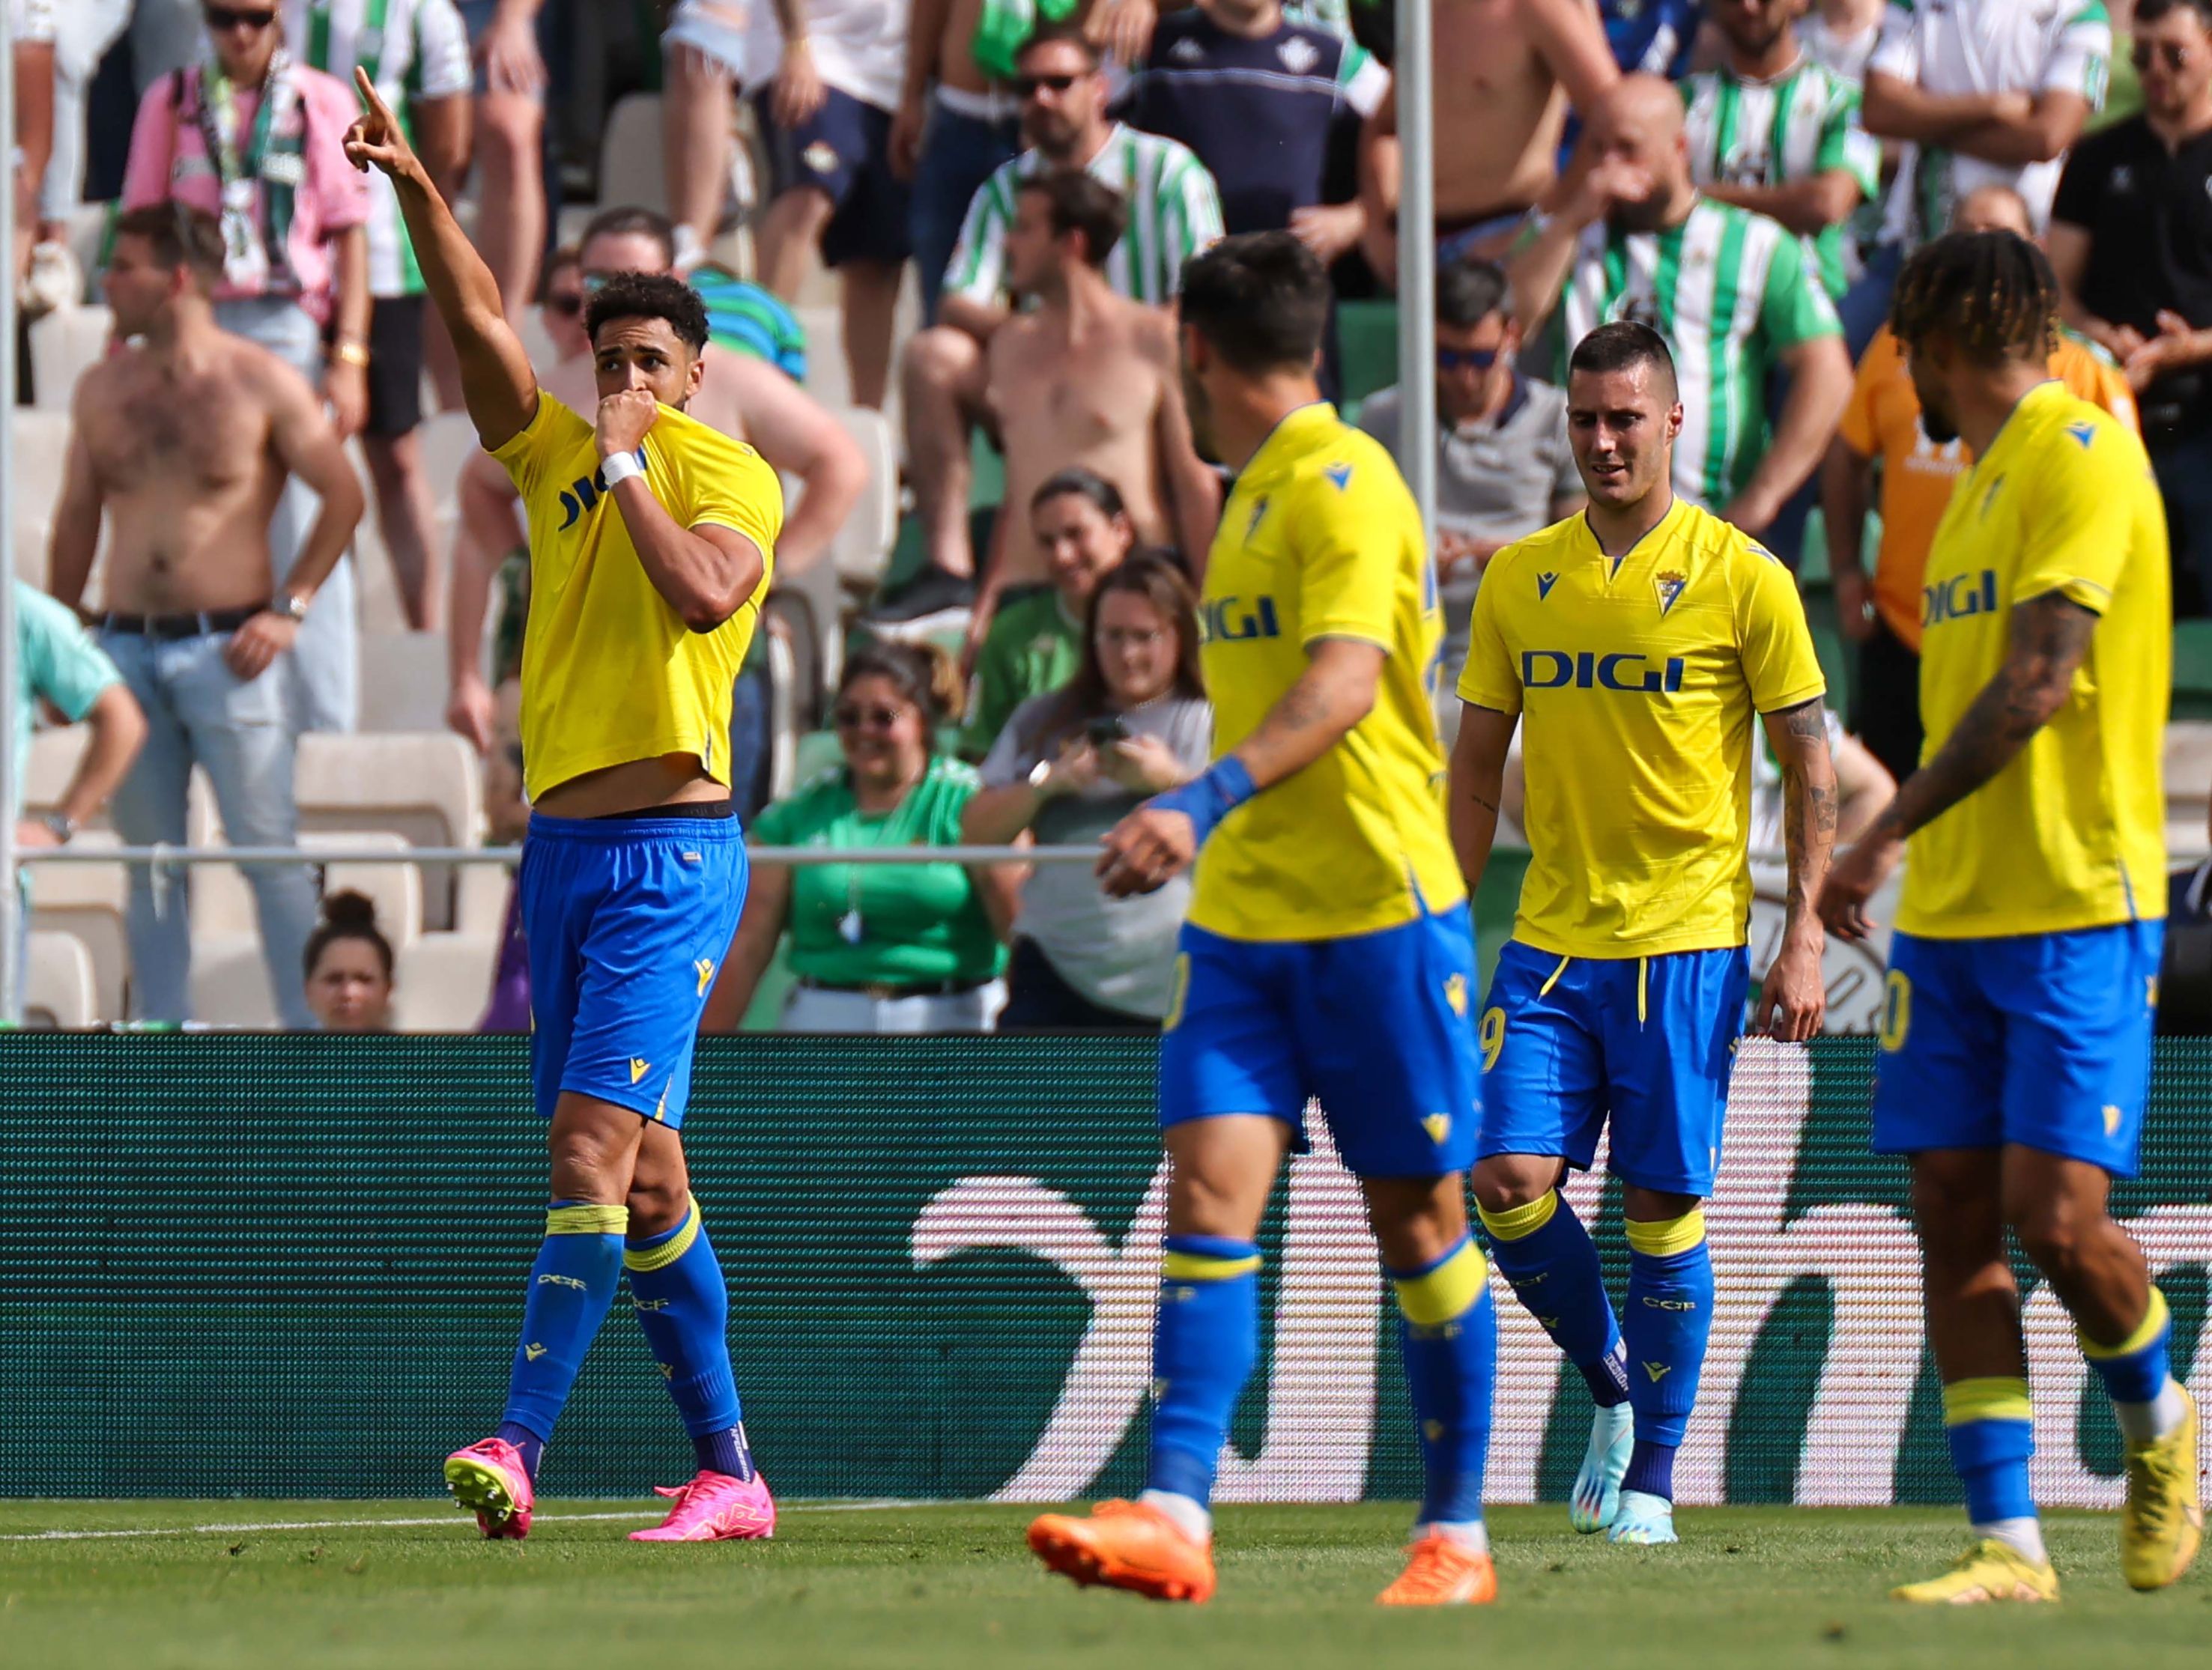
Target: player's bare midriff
(189,480)
(1498,125)
(635,785)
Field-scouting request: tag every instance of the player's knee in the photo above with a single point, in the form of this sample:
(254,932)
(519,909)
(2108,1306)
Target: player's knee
(587,1164)
(2050,1231)
(657,1204)
(1507,1182)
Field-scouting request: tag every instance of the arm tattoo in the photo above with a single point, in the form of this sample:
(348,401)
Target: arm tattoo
(2050,636)
(1810,802)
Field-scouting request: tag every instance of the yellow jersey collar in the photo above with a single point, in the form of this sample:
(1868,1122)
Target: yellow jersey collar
(1662,531)
(1292,427)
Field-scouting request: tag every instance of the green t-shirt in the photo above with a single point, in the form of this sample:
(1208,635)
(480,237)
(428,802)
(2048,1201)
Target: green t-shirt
(1031,648)
(877,924)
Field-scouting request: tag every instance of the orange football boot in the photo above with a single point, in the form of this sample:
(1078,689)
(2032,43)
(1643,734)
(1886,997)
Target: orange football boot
(1440,1572)
(1126,1544)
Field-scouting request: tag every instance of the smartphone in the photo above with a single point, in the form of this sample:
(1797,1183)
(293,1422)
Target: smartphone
(1105,730)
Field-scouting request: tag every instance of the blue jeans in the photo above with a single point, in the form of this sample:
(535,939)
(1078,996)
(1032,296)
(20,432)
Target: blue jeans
(199,712)
(323,674)
(958,153)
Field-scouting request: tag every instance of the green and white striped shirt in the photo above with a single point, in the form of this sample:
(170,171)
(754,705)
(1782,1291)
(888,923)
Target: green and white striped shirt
(1730,291)
(1175,212)
(1800,124)
(413,50)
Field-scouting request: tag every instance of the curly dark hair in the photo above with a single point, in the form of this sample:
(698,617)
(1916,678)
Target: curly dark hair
(649,295)
(1992,294)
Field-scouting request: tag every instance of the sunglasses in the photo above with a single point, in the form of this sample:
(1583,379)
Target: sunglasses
(1029,86)
(566,303)
(222,18)
(1465,359)
(847,716)
(2170,55)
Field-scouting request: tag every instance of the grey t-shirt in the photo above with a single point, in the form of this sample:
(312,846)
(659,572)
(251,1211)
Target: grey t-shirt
(1494,481)
(1119,953)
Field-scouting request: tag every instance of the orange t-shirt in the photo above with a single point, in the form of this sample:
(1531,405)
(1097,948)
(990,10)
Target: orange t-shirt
(1883,421)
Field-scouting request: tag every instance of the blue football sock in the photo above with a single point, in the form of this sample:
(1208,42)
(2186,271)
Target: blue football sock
(1204,1345)
(1670,1315)
(1992,1433)
(571,1286)
(683,1305)
(2137,1369)
(1544,1253)
(1448,1328)
(532,1446)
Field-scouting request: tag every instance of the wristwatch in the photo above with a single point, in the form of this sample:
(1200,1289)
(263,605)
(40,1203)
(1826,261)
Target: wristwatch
(61,826)
(292,606)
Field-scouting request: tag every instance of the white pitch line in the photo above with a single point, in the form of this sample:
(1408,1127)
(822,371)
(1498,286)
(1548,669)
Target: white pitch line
(442,1519)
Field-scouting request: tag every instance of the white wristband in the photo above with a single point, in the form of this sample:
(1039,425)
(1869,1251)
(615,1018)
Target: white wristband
(619,469)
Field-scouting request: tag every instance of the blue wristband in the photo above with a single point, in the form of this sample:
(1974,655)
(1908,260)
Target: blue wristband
(1208,798)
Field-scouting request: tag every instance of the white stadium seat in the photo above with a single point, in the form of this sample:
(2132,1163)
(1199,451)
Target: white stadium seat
(58,987)
(444,982)
(41,458)
(402,681)
(426,788)
(630,171)
(64,344)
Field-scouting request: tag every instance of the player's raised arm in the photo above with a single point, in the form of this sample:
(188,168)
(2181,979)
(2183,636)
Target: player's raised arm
(496,381)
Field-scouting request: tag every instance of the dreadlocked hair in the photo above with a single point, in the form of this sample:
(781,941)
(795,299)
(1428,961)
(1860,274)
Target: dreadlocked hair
(1991,293)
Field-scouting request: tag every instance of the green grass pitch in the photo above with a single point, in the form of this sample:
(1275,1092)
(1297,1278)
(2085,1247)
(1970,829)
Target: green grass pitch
(951,1585)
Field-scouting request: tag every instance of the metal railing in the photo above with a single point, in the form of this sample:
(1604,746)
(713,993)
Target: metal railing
(166,857)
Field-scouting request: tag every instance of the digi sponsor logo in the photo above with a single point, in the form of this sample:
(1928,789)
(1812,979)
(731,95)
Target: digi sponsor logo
(585,493)
(1960,598)
(1232,620)
(1586,669)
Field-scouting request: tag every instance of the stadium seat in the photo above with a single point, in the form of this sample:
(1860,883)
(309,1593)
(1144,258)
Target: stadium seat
(58,988)
(222,901)
(828,379)
(423,787)
(444,981)
(41,441)
(630,171)
(64,344)
(864,544)
(229,984)
(402,681)
(785,702)
(84,902)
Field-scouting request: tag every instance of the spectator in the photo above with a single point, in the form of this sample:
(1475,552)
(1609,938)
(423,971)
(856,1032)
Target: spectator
(1840,35)
(826,120)
(59,665)
(706,52)
(877,947)
(1636,214)
(1651,37)
(1985,93)
(1775,132)
(745,397)
(1881,615)
(1254,97)
(506,37)
(185,444)
(348,966)
(1129,424)
(83,31)
(1133,722)
(1035,643)
(2131,243)
(417,52)
(949,141)
(1173,213)
(745,318)
(31,30)
(255,139)
(1124,28)
(1507,75)
(1504,468)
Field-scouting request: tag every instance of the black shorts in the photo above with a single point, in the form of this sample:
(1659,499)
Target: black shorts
(843,151)
(1885,700)
(395,364)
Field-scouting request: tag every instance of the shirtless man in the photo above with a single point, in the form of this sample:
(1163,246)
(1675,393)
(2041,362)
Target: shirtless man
(1506,72)
(185,445)
(1088,379)
(954,127)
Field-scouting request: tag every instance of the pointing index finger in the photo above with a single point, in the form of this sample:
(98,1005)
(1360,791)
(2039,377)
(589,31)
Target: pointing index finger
(369,95)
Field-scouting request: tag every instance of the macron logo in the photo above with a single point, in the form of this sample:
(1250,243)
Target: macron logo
(1543,585)
(2084,433)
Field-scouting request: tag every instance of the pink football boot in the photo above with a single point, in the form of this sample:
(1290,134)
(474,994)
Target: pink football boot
(714,1508)
(489,1481)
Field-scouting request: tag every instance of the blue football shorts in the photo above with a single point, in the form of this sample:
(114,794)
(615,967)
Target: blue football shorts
(627,920)
(2039,1039)
(844,151)
(1375,1027)
(1569,1043)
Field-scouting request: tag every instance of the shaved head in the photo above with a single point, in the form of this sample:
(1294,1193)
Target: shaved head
(1993,208)
(1645,100)
(1638,128)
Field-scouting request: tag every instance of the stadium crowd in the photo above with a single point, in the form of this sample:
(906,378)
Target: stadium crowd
(1013,658)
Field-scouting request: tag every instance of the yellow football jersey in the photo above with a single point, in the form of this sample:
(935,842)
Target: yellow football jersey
(1638,683)
(2070,835)
(1320,539)
(610,672)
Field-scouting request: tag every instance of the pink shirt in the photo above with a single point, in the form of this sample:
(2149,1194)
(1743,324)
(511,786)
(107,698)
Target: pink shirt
(169,159)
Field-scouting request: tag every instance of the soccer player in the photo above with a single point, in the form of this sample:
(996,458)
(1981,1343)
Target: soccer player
(1638,642)
(2017,1045)
(651,536)
(1327,952)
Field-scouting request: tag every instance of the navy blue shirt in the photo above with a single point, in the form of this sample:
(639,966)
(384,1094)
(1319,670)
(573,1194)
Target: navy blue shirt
(1256,112)
(1653,36)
